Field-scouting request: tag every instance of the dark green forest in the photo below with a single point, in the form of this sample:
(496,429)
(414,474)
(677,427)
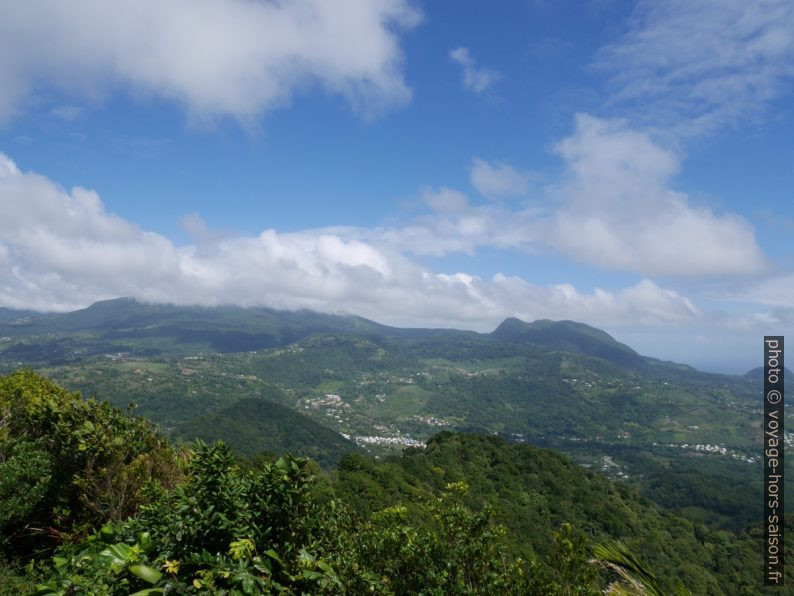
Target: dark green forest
(571,461)
(253,426)
(93,500)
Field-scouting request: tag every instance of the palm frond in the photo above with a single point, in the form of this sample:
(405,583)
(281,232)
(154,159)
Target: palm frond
(637,579)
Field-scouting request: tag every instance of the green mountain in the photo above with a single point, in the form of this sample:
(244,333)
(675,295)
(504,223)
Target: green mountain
(756,375)
(569,336)
(16,317)
(534,491)
(127,324)
(252,426)
(474,512)
(687,439)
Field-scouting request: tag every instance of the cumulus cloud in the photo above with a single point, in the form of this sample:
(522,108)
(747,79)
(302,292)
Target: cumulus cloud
(498,180)
(475,78)
(456,226)
(215,57)
(615,208)
(444,200)
(692,67)
(620,212)
(61,250)
(645,303)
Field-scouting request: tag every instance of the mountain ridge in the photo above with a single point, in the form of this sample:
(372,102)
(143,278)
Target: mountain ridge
(757,373)
(570,336)
(229,329)
(559,384)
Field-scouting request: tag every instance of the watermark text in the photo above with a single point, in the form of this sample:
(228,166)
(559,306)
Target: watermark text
(773,460)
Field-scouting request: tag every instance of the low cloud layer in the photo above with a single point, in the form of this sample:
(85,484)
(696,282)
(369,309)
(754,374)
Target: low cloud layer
(62,250)
(614,208)
(215,57)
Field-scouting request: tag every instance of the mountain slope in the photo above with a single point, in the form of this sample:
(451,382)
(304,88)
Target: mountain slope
(251,426)
(534,491)
(128,326)
(450,510)
(17,317)
(680,435)
(127,313)
(757,374)
(569,336)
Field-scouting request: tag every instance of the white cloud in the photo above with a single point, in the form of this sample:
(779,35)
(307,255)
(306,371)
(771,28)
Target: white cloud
(497,179)
(692,67)
(63,250)
(615,208)
(619,210)
(194,225)
(642,304)
(444,200)
(215,57)
(456,228)
(776,291)
(199,231)
(475,78)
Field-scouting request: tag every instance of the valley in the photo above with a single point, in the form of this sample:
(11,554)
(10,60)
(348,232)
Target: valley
(678,435)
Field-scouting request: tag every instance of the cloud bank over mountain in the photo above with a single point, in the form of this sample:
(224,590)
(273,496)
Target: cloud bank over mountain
(62,250)
(626,166)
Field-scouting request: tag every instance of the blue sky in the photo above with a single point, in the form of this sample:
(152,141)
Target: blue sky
(624,164)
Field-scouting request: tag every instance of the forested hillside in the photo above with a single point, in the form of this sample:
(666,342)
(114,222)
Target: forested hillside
(686,439)
(534,491)
(253,426)
(92,500)
(396,297)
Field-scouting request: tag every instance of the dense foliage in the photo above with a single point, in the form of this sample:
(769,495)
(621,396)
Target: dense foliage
(235,530)
(93,501)
(128,514)
(533,492)
(67,464)
(686,439)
